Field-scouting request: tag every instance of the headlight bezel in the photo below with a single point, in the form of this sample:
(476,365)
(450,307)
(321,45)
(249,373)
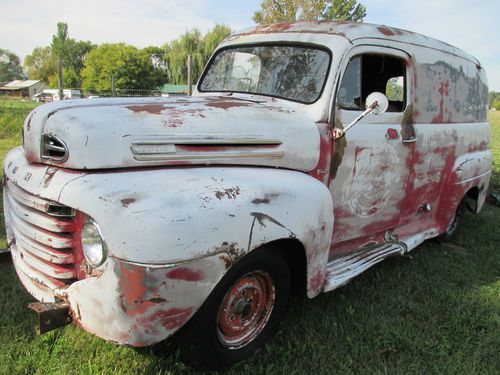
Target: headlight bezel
(88,244)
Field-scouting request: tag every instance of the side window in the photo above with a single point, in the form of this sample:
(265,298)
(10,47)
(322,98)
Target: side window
(368,73)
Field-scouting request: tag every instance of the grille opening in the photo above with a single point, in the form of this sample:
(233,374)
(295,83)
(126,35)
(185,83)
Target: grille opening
(57,210)
(44,238)
(53,148)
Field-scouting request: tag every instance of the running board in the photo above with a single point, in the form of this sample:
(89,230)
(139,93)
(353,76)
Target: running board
(340,271)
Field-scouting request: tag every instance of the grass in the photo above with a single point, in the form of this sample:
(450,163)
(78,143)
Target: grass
(435,312)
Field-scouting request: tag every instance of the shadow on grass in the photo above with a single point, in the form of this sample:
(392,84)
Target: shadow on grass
(428,313)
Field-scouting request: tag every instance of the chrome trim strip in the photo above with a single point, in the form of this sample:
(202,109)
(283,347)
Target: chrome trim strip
(210,155)
(39,219)
(44,146)
(35,202)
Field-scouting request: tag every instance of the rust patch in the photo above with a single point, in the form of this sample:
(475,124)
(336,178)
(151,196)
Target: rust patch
(228,104)
(127,201)
(28,125)
(156,300)
(132,289)
(407,129)
(186,274)
(49,174)
(154,109)
(339,146)
(388,31)
(230,193)
(266,199)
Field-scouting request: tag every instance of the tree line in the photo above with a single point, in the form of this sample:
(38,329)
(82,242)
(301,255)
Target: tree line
(82,64)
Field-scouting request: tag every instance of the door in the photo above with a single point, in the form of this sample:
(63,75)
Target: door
(369,171)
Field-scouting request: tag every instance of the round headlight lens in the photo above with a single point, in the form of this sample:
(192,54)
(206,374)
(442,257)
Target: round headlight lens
(93,245)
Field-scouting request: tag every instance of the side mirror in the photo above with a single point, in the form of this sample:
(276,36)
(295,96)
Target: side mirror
(376,103)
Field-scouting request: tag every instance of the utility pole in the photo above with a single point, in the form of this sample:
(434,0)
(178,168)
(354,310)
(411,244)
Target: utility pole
(190,75)
(112,84)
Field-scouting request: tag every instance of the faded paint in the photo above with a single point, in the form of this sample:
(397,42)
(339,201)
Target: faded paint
(262,170)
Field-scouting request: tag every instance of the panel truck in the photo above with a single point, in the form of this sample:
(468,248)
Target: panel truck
(308,153)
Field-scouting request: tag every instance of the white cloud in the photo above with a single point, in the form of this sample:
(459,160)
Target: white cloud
(30,23)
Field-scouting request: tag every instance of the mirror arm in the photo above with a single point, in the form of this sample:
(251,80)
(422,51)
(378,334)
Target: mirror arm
(357,119)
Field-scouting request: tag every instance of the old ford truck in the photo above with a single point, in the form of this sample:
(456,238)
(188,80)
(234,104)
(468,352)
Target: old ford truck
(308,153)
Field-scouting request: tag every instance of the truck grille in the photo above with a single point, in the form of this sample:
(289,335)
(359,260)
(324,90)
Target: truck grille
(44,237)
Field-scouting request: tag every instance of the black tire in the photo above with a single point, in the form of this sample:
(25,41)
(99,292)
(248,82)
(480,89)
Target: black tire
(451,231)
(209,340)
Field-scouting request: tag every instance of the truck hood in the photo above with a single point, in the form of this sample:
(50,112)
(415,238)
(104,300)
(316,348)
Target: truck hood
(120,133)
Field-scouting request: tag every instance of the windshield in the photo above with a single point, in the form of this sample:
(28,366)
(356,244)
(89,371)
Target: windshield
(290,72)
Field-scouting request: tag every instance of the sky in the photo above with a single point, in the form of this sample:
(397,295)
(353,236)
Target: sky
(25,24)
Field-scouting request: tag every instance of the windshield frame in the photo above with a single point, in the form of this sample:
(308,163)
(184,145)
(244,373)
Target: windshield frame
(271,44)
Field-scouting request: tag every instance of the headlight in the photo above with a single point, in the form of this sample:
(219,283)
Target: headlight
(94,248)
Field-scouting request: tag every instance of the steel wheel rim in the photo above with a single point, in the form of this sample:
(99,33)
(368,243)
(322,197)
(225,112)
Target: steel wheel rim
(246,309)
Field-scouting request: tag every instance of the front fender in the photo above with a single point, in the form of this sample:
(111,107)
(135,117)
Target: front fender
(161,216)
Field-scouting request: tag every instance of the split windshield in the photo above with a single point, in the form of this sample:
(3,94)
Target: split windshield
(290,72)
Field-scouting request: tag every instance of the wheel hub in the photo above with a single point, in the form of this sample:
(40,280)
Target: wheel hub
(245,310)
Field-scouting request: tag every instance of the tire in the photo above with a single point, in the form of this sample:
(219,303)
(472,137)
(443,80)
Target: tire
(241,314)
(449,234)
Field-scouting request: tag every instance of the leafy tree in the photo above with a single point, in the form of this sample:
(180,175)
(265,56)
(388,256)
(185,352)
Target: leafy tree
(200,48)
(177,52)
(131,68)
(272,11)
(344,10)
(41,64)
(59,48)
(213,38)
(10,67)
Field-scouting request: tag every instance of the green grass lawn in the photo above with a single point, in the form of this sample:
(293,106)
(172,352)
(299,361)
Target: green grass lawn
(435,312)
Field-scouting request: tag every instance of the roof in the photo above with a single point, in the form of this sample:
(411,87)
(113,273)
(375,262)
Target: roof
(19,84)
(174,89)
(355,30)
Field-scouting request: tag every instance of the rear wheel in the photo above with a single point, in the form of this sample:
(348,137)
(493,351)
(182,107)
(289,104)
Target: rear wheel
(241,314)
(452,228)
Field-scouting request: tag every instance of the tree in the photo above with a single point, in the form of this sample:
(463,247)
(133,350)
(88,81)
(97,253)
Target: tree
(129,67)
(41,64)
(272,11)
(59,48)
(213,38)
(10,67)
(177,52)
(344,10)
(200,48)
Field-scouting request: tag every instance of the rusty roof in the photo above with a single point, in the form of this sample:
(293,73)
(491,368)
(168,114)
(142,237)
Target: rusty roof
(355,30)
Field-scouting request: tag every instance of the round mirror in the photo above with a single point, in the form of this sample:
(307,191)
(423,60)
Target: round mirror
(378,101)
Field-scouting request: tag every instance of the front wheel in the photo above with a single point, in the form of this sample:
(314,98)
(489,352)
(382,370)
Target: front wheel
(240,315)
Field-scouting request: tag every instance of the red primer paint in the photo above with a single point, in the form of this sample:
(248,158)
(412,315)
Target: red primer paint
(186,274)
(226,104)
(322,170)
(132,287)
(171,319)
(440,117)
(154,109)
(392,134)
